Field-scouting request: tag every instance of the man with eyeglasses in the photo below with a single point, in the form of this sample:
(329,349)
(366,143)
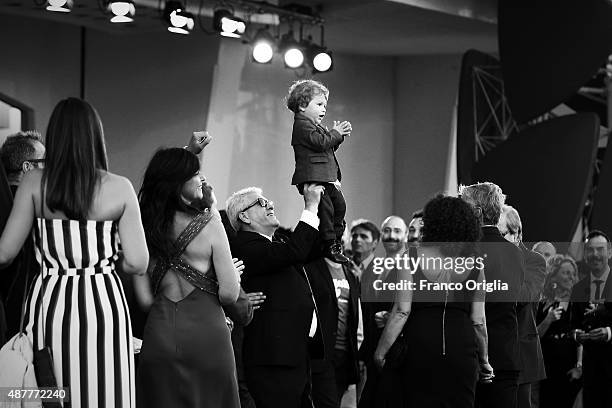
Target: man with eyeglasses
(19,154)
(277,342)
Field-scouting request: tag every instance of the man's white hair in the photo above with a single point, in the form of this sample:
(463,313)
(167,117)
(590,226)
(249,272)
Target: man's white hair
(237,202)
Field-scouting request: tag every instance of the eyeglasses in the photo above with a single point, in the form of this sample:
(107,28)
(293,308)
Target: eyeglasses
(42,161)
(263,202)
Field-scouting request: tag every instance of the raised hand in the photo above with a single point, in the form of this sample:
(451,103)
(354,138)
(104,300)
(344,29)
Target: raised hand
(312,196)
(199,140)
(344,127)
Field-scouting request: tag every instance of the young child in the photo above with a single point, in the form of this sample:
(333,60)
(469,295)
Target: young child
(315,161)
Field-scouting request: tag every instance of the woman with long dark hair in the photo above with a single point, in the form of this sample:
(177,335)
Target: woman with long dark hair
(80,211)
(443,331)
(187,358)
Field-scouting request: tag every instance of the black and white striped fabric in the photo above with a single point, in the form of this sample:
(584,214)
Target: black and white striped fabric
(87,322)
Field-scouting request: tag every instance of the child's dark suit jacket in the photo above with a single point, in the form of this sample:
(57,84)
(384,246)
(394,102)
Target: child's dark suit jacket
(314,150)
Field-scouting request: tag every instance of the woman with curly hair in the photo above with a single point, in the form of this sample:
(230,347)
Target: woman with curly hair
(560,352)
(440,335)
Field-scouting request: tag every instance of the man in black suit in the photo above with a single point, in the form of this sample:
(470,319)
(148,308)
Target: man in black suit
(276,342)
(504,262)
(336,292)
(19,154)
(376,306)
(591,317)
(532,360)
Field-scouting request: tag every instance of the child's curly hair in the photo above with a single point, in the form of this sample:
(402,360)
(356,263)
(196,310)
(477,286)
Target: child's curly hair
(301,93)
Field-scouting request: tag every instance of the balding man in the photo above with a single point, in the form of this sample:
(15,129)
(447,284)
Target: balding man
(545,248)
(377,304)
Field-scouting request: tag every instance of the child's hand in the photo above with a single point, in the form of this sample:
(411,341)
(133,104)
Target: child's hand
(344,127)
(199,140)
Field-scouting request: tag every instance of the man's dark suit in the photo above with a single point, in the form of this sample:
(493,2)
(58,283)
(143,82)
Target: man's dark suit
(502,261)
(532,360)
(596,357)
(275,349)
(330,378)
(315,162)
(372,302)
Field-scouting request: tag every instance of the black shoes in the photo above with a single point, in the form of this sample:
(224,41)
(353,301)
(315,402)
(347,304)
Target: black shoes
(333,251)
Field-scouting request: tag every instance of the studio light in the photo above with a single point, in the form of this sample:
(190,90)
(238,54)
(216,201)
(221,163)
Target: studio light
(179,21)
(227,24)
(123,11)
(292,51)
(320,58)
(263,47)
(63,6)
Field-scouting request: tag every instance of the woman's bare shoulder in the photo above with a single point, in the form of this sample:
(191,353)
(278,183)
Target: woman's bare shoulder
(116,186)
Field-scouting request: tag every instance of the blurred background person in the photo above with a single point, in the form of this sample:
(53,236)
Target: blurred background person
(415,226)
(336,293)
(532,364)
(365,236)
(560,351)
(544,248)
(591,319)
(79,210)
(376,306)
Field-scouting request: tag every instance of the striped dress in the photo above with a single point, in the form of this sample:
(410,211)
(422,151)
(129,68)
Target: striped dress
(86,318)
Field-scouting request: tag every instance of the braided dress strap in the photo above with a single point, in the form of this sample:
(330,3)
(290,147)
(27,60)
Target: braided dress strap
(206,282)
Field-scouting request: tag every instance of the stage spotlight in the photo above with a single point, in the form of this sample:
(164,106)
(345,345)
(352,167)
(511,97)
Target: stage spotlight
(292,51)
(63,6)
(123,11)
(227,24)
(263,47)
(179,21)
(320,58)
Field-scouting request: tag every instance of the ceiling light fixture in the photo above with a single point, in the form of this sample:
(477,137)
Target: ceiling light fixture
(263,47)
(227,24)
(320,58)
(179,20)
(292,51)
(62,6)
(123,11)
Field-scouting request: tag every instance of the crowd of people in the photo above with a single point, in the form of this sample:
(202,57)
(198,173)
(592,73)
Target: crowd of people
(242,313)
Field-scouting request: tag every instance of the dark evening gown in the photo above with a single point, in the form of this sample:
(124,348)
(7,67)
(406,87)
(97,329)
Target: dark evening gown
(441,368)
(559,351)
(187,358)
